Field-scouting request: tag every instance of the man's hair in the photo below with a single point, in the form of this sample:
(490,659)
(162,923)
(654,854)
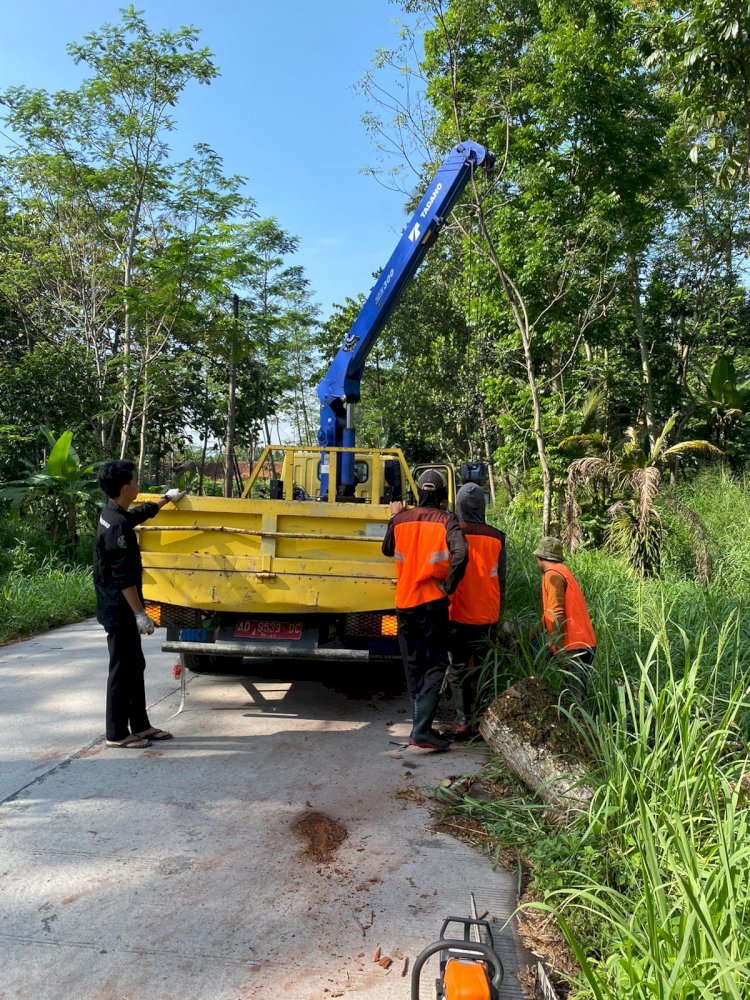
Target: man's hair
(114,475)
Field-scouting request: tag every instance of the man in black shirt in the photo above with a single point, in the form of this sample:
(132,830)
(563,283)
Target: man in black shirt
(118,573)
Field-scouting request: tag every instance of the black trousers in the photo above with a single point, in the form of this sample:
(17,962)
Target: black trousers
(467,644)
(577,665)
(126,690)
(423,641)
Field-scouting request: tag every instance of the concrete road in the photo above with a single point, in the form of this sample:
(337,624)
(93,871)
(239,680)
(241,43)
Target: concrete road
(213,867)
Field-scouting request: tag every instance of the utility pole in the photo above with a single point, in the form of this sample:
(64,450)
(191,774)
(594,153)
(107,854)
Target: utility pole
(229,469)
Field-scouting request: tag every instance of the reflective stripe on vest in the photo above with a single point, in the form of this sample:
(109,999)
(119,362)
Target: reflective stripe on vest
(476,600)
(578,632)
(422,557)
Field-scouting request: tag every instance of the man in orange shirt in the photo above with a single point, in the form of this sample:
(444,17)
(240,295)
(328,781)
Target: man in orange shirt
(565,616)
(431,556)
(476,603)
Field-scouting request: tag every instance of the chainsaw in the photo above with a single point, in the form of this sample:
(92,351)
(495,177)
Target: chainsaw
(470,968)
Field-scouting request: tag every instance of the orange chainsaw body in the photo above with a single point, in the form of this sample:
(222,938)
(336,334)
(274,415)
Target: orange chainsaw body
(464,980)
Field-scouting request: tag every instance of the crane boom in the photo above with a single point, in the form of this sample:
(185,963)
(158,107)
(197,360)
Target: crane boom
(340,386)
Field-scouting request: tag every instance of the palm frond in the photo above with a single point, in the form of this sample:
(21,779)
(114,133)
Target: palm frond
(698,537)
(660,441)
(583,442)
(694,447)
(646,485)
(590,411)
(640,546)
(588,470)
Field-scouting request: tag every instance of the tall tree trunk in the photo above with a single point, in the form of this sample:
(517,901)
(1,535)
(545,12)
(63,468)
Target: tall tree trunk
(487,449)
(129,410)
(303,401)
(127,325)
(520,315)
(648,390)
(72,525)
(229,468)
(229,449)
(202,473)
(144,420)
(267,428)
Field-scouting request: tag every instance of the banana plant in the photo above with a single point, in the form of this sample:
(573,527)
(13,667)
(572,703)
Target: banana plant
(62,484)
(726,401)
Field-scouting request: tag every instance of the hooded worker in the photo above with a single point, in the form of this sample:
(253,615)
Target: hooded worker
(476,604)
(430,552)
(565,616)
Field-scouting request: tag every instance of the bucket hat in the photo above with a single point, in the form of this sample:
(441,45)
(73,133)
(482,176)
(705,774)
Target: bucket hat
(550,548)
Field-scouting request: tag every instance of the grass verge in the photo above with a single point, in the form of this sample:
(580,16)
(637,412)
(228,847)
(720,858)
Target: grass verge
(49,596)
(650,885)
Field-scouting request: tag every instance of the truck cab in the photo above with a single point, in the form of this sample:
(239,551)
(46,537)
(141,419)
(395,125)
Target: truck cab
(378,477)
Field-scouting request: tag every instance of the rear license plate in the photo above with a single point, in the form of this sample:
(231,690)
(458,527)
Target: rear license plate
(253,629)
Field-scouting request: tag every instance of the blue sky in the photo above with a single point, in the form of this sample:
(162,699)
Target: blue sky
(284,112)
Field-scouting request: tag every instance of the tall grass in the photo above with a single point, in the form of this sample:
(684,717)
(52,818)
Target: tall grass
(42,583)
(671,807)
(52,595)
(628,611)
(651,886)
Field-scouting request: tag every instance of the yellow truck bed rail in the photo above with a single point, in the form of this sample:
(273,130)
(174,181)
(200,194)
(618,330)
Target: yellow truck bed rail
(276,556)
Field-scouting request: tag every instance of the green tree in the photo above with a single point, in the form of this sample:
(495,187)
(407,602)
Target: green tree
(560,92)
(703,49)
(90,177)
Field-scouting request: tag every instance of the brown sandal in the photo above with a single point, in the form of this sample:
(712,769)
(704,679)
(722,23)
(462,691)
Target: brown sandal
(132,742)
(155,734)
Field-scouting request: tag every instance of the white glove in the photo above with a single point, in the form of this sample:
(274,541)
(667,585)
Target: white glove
(144,624)
(174,495)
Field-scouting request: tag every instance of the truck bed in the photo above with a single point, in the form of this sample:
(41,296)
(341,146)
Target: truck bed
(274,556)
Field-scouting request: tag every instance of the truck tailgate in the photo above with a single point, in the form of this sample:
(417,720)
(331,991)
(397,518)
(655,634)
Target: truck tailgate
(268,555)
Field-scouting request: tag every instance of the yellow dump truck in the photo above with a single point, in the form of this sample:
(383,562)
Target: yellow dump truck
(279,571)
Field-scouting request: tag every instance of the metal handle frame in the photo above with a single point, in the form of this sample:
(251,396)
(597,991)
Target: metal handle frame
(482,951)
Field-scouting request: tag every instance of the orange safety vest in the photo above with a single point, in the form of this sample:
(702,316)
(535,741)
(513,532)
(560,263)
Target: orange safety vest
(421,554)
(578,632)
(476,600)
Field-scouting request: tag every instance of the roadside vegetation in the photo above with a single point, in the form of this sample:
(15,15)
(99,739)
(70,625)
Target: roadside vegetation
(649,885)
(42,584)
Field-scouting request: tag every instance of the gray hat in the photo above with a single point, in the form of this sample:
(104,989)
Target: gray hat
(550,549)
(430,481)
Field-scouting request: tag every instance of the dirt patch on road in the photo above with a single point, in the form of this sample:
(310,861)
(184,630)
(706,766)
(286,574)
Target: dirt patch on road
(323,834)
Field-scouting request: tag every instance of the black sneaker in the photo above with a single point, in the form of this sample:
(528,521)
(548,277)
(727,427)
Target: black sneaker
(431,742)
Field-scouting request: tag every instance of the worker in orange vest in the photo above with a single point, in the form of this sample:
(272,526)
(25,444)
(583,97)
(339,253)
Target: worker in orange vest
(476,604)
(431,556)
(565,616)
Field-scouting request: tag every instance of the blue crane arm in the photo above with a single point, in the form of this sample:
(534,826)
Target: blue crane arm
(340,385)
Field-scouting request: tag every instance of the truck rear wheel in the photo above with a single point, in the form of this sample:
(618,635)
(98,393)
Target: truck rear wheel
(211,664)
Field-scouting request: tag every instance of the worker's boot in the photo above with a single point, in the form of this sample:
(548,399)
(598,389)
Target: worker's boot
(422,733)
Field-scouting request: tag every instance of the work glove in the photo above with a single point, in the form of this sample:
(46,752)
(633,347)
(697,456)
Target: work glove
(174,495)
(144,624)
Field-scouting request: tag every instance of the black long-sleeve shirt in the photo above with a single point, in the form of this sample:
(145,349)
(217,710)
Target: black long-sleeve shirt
(117,560)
